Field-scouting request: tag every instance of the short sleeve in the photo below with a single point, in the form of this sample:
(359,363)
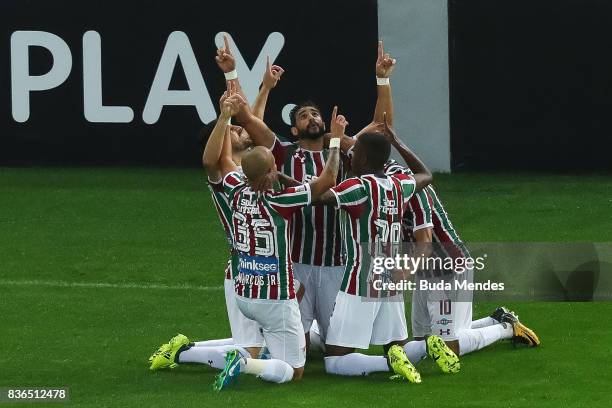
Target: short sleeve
(350,196)
(232,181)
(216,186)
(289,200)
(408,186)
(420,206)
(279,151)
(392,167)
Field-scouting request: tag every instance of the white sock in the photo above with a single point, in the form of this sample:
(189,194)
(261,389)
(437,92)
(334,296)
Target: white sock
(213,343)
(212,356)
(272,370)
(475,339)
(316,342)
(484,322)
(355,364)
(416,350)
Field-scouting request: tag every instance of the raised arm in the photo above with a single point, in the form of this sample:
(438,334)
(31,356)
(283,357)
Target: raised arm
(270,79)
(319,187)
(422,175)
(217,156)
(257,129)
(384,101)
(385,65)
(287,181)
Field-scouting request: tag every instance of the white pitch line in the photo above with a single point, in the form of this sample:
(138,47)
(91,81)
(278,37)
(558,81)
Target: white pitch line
(101,285)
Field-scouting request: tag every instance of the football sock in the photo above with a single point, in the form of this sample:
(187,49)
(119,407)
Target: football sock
(484,322)
(212,356)
(355,364)
(475,339)
(213,343)
(316,342)
(416,350)
(272,370)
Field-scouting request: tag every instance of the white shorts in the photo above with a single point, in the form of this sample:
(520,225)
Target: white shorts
(357,323)
(321,285)
(281,327)
(440,313)
(245,332)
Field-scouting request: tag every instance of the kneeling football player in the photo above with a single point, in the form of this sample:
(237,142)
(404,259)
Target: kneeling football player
(264,284)
(364,315)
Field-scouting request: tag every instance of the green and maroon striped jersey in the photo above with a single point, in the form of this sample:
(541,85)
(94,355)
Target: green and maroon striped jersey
(260,231)
(431,208)
(225,216)
(315,230)
(374,207)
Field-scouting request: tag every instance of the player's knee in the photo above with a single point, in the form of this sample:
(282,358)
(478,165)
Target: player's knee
(400,343)
(297,374)
(253,351)
(331,350)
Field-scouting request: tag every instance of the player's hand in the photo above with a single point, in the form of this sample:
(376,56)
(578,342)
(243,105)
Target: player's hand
(287,181)
(338,123)
(232,104)
(384,63)
(399,275)
(264,183)
(374,127)
(389,132)
(225,108)
(225,60)
(272,75)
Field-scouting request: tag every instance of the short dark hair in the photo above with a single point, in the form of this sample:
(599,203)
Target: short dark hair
(376,148)
(206,131)
(296,108)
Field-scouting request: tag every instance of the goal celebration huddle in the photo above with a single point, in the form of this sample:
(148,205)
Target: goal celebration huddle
(305,215)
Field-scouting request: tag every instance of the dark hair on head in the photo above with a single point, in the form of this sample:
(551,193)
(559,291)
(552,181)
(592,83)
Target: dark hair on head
(376,148)
(205,132)
(296,108)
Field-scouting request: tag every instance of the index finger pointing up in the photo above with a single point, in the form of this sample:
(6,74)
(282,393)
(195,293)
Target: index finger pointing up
(226,41)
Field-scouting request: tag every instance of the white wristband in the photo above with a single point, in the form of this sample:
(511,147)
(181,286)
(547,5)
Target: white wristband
(334,142)
(382,81)
(229,121)
(231,75)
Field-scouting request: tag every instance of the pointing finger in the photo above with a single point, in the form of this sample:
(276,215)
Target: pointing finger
(226,41)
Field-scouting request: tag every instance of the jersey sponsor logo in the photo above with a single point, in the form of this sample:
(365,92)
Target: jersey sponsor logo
(446,331)
(444,321)
(248,203)
(257,265)
(308,178)
(388,207)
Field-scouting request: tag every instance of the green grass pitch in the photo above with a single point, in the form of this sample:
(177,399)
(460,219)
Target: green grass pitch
(149,227)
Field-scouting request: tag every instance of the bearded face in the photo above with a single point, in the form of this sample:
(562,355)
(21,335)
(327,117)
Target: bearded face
(309,123)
